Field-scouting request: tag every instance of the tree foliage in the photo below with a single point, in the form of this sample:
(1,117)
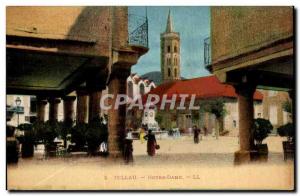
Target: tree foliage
(261,129)
(47,131)
(158,118)
(287,130)
(214,106)
(78,133)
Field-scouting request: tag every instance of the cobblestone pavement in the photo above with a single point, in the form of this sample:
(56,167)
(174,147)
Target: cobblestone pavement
(179,164)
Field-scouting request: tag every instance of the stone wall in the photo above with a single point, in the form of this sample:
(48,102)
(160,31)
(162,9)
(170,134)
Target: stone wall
(237,30)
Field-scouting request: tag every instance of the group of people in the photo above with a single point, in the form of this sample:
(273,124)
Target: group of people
(150,137)
(151,143)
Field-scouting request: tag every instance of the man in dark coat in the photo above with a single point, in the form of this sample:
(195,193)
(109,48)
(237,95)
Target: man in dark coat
(196,134)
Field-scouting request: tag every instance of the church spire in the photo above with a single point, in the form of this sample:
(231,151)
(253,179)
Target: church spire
(169,27)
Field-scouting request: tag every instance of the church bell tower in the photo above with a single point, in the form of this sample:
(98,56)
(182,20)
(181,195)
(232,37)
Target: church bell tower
(170,53)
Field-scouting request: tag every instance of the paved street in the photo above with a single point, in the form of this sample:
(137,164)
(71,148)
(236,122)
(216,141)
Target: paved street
(179,164)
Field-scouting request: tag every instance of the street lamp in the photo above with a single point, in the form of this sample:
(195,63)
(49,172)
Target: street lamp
(18,103)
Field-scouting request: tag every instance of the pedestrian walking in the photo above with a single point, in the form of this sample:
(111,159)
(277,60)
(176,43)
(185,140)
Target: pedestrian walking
(151,143)
(205,131)
(196,134)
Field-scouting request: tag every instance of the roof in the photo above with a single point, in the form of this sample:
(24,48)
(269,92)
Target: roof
(203,87)
(169,27)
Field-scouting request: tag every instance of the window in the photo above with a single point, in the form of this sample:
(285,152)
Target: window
(234,123)
(151,88)
(175,61)
(169,72)
(175,48)
(169,49)
(259,115)
(168,61)
(146,114)
(130,89)
(142,89)
(27,118)
(175,72)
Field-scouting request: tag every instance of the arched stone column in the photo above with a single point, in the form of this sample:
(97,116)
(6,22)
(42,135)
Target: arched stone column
(53,108)
(41,104)
(69,108)
(94,104)
(82,106)
(117,117)
(245,94)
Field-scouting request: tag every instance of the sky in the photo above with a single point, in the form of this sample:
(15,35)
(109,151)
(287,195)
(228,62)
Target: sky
(193,24)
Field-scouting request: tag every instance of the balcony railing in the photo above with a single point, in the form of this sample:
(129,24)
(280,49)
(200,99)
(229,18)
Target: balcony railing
(207,51)
(137,30)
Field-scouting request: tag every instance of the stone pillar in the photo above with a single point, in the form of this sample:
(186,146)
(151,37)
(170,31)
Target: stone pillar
(53,108)
(246,114)
(94,105)
(117,117)
(82,107)
(69,108)
(41,104)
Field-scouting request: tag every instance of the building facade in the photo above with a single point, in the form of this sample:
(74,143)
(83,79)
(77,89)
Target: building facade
(206,90)
(137,87)
(273,107)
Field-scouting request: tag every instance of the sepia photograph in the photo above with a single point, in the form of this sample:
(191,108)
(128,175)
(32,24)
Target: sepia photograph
(150,98)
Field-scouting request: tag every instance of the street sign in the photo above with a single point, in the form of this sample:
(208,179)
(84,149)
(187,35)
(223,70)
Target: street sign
(19,110)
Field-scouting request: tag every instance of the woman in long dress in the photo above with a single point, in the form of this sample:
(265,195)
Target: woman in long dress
(151,143)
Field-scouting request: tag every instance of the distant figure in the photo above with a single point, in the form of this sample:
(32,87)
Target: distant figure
(176,133)
(103,147)
(205,131)
(142,134)
(151,143)
(196,134)
(128,149)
